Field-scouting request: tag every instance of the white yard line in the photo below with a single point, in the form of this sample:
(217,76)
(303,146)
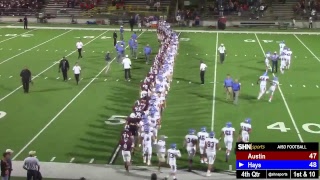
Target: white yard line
(16,36)
(105,69)
(214,84)
(54,64)
(284,99)
(306,47)
(35,47)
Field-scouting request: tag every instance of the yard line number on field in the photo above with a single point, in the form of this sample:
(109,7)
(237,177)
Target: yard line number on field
(283,98)
(105,69)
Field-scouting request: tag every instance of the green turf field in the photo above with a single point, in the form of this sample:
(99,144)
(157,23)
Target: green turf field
(66,123)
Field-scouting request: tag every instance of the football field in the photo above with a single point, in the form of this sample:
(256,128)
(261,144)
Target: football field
(67,123)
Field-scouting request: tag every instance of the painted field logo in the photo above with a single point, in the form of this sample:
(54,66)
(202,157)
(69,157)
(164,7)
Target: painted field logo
(184,39)
(116,120)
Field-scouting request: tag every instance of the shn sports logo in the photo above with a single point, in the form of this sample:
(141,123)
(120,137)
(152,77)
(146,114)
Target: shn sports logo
(250,147)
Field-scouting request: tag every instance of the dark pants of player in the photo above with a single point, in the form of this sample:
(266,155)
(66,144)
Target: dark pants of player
(25,85)
(127,74)
(65,75)
(202,76)
(25,25)
(79,52)
(77,76)
(274,66)
(131,27)
(221,58)
(310,25)
(114,41)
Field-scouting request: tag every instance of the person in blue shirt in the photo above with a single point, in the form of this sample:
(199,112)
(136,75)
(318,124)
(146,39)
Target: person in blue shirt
(120,53)
(236,91)
(121,33)
(134,36)
(228,86)
(131,45)
(135,49)
(147,53)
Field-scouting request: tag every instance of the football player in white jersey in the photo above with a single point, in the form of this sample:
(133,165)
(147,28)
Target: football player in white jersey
(190,142)
(289,54)
(154,124)
(173,153)
(273,87)
(263,84)
(228,134)
(245,130)
(202,135)
(281,46)
(146,139)
(283,62)
(161,151)
(267,60)
(211,146)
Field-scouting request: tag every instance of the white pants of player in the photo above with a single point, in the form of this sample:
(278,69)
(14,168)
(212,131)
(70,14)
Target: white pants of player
(245,136)
(267,63)
(201,148)
(263,88)
(147,150)
(288,60)
(173,167)
(126,156)
(228,142)
(211,156)
(283,64)
(272,89)
(155,131)
(191,151)
(161,157)
(139,25)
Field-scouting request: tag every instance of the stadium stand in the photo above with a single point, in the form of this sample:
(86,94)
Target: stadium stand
(284,10)
(20,8)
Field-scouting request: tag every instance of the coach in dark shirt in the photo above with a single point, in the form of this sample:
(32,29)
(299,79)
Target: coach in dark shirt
(5,168)
(131,22)
(26,79)
(115,36)
(64,68)
(25,22)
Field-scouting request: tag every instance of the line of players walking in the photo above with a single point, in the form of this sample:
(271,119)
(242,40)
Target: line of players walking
(284,56)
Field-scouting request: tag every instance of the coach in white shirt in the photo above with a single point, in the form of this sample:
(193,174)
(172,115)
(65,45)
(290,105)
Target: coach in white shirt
(203,68)
(127,67)
(79,46)
(222,50)
(76,70)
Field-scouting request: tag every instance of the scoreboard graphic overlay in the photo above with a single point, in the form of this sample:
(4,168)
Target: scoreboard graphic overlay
(277,160)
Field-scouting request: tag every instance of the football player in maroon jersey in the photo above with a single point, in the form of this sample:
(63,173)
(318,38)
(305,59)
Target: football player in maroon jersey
(126,147)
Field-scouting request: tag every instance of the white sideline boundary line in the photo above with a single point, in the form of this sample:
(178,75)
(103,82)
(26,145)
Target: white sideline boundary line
(153,30)
(306,47)
(35,47)
(214,85)
(284,99)
(9,94)
(17,36)
(105,69)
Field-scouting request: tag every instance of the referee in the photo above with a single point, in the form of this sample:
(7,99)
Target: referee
(76,70)
(222,50)
(31,164)
(25,75)
(79,46)
(203,67)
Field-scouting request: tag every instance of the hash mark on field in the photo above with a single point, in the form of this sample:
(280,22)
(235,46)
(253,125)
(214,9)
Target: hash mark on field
(10,76)
(10,49)
(303,85)
(117,80)
(290,85)
(19,49)
(56,50)
(105,79)
(53,159)
(65,51)
(69,79)
(84,51)
(38,50)
(47,50)
(72,159)
(58,77)
(1,49)
(91,161)
(317,86)
(46,78)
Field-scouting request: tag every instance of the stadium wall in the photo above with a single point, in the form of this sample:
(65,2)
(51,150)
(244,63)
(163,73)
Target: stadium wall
(15,19)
